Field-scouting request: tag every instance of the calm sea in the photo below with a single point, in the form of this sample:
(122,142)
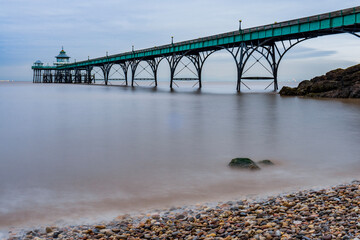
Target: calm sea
(77,151)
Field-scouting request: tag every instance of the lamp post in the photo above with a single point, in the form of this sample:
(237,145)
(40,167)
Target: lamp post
(172,40)
(132,47)
(240,24)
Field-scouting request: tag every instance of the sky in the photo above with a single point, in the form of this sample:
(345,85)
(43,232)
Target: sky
(37,29)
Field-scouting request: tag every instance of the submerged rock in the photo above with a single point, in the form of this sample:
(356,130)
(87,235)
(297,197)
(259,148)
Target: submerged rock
(245,163)
(338,83)
(266,162)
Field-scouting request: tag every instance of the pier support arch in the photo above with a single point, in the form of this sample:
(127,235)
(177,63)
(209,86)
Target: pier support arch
(271,50)
(196,58)
(151,69)
(118,72)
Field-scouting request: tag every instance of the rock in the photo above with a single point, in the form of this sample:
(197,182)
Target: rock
(100,226)
(156,216)
(324,86)
(304,87)
(48,230)
(56,234)
(107,232)
(338,83)
(266,162)
(180,216)
(245,163)
(327,237)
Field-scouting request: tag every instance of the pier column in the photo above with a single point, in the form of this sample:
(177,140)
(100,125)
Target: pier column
(133,65)
(106,70)
(173,62)
(274,68)
(125,68)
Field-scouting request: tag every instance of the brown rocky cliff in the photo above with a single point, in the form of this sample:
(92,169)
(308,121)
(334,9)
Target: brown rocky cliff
(338,83)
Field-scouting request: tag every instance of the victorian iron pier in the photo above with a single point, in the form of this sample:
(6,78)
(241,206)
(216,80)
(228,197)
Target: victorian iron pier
(268,42)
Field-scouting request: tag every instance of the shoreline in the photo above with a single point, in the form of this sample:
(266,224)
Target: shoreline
(326,213)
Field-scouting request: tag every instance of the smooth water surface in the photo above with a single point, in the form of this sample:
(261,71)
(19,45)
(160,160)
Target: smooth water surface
(71,151)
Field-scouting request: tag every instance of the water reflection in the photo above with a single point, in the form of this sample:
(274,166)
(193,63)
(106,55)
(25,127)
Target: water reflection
(69,151)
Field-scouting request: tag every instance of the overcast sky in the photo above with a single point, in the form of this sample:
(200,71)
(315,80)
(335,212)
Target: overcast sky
(32,30)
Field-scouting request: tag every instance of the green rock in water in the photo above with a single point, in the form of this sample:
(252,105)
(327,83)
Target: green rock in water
(246,163)
(266,162)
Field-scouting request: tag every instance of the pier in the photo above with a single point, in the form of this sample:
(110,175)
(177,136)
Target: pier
(270,42)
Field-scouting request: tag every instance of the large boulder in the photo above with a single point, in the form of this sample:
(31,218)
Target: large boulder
(245,163)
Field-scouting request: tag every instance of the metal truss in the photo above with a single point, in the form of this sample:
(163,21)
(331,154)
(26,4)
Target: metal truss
(120,70)
(196,58)
(153,64)
(272,51)
(106,70)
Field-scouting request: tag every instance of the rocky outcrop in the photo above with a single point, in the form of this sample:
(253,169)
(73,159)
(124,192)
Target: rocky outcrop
(339,83)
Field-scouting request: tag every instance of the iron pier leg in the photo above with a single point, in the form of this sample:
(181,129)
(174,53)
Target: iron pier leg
(155,78)
(199,75)
(126,78)
(125,67)
(274,67)
(171,78)
(238,85)
(134,64)
(132,78)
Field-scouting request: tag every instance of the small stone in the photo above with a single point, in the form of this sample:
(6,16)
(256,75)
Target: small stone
(327,237)
(180,216)
(156,216)
(48,230)
(107,232)
(56,234)
(100,226)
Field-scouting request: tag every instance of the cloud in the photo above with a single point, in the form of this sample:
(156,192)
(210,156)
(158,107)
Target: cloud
(306,52)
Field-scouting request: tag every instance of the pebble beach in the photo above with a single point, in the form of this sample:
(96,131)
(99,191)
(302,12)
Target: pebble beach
(332,213)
